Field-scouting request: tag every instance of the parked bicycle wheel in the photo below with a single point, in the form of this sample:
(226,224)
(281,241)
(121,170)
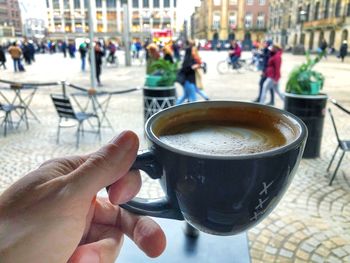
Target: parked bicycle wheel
(223,67)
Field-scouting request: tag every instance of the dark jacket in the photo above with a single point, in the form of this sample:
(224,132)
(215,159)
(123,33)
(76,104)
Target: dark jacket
(169,58)
(2,55)
(344,50)
(186,70)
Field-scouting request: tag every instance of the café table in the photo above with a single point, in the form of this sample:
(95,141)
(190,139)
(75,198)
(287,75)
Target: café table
(182,248)
(98,102)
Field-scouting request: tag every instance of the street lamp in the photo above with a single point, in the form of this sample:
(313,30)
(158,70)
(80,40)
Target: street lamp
(302,17)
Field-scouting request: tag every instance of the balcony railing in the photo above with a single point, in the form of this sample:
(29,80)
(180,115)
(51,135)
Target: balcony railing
(324,23)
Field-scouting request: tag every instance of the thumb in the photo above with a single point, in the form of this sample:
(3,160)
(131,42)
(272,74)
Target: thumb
(107,165)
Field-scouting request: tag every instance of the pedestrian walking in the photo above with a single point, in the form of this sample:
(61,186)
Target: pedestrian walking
(31,48)
(16,54)
(64,49)
(189,76)
(273,73)
(2,58)
(323,48)
(199,72)
(153,55)
(71,49)
(343,50)
(176,50)
(111,52)
(99,54)
(168,54)
(26,53)
(265,56)
(83,50)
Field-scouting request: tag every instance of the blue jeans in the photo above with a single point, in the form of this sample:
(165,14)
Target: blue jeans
(189,93)
(83,63)
(234,60)
(16,62)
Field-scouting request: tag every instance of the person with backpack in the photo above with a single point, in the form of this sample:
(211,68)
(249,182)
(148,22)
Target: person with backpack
(83,50)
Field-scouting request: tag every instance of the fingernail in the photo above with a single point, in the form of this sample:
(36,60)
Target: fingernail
(125,139)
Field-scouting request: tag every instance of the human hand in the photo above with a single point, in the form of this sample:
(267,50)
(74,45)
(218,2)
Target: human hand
(53,215)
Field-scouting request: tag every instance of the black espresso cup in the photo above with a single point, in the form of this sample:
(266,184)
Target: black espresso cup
(221,193)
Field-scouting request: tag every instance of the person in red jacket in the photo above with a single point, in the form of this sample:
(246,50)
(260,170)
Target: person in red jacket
(273,73)
(234,53)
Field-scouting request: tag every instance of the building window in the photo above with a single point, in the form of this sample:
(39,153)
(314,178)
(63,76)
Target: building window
(66,4)
(76,4)
(145,3)
(260,22)
(348,10)
(47,4)
(56,4)
(248,20)
(326,9)
(233,2)
(216,21)
(250,2)
(317,11)
(232,20)
(337,8)
(111,3)
(166,3)
(262,2)
(175,3)
(307,17)
(135,3)
(156,3)
(217,2)
(98,3)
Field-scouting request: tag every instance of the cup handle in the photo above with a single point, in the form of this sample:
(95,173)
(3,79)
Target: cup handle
(160,207)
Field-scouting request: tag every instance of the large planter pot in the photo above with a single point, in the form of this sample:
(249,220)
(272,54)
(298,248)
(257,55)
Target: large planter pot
(311,109)
(157,98)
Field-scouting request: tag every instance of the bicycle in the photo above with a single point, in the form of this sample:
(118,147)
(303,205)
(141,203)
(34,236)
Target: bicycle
(112,60)
(225,66)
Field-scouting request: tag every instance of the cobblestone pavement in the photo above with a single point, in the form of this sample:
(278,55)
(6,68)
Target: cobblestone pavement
(311,223)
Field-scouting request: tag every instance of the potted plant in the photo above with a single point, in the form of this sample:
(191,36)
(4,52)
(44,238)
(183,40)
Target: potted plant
(303,99)
(159,91)
(304,80)
(163,74)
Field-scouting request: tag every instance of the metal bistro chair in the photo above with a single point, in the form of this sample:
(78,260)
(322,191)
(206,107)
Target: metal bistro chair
(7,118)
(343,145)
(65,110)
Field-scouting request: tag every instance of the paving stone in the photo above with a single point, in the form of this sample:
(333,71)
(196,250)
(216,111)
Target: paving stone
(339,252)
(286,253)
(306,247)
(317,259)
(302,255)
(271,250)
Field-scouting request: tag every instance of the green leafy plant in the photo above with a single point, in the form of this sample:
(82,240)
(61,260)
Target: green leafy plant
(166,70)
(303,79)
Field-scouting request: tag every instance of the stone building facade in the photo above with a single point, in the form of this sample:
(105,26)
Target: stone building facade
(230,19)
(306,23)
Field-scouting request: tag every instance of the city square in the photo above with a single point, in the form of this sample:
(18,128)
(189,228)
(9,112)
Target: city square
(76,74)
(311,222)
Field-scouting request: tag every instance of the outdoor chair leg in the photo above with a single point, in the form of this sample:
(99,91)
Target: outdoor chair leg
(330,164)
(78,135)
(26,118)
(99,129)
(336,170)
(58,134)
(6,123)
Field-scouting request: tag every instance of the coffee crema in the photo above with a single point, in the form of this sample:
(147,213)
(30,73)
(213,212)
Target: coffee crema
(222,137)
